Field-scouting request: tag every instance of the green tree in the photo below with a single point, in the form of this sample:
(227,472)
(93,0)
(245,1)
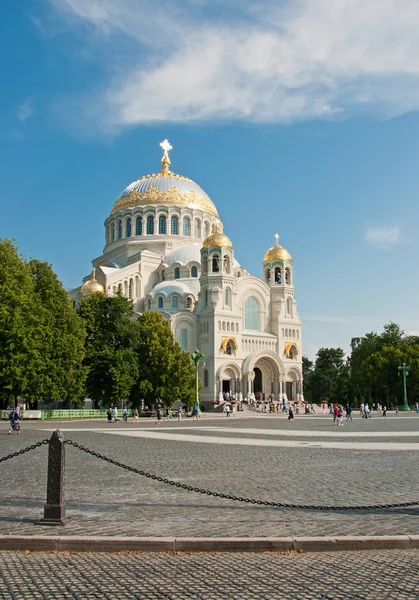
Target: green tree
(329,376)
(112,333)
(41,337)
(166,372)
(62,374)
(308,370)
(20,334)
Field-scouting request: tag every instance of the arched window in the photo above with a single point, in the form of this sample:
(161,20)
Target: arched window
(228,326)
(205,378)
(149,304)
(216,264)
(150,225)
(139,226)
(237,328)
(224,325)
(174,226)
(219,325)
(163,275)
(162,225)
(113,232)
(119,288)
(189,303)
(226,262)
(119,230)
(184,339)
(205,265)
(251,314)
(278,275)
(197,228)
(186,227)
(128,228)
(194,272)
(206,297)
(268,275)
(286,333)
(177,273)
(287,276)
(229,349)
(131,289)
(108,234)
(227,297)
(160,302)
(213,228)
(175,302)
(298,335)
(206,229)
(289,306)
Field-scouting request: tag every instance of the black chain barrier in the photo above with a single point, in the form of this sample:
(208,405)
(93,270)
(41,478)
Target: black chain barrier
(24,451)
(197,490)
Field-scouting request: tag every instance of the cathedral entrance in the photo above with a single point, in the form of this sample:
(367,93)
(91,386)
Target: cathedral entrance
(226,386)
(257,383)
(288,388)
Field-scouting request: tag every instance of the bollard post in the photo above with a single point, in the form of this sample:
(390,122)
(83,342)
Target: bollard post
(55,509)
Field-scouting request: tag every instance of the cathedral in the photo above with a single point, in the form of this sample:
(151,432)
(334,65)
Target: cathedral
(166,250)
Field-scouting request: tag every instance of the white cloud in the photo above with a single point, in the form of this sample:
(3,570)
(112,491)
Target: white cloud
(268,61)
(24,111)
(382,236)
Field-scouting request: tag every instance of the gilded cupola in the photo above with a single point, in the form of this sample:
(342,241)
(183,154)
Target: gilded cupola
(217,239)
(277,252)
(165,188)
(92,286)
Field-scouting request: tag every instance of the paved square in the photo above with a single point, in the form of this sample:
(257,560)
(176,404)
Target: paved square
(264,457)
(330,576)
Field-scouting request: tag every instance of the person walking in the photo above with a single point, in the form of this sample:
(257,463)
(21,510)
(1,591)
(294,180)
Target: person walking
(136,416)
(340,415)
(125,415)
(179,414)
(335,414)
(290,414)
(384,411)
(115,414)
(348,412)
(109,415)
(158,415)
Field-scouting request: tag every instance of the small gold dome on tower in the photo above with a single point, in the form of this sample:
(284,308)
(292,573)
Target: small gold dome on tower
(277,252)
(92,286)
(217,239)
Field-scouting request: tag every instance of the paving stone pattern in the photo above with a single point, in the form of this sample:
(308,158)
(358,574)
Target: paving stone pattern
(350,575)
(105,500)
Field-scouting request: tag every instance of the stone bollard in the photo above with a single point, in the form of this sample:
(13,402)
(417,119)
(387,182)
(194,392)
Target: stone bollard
(55,509)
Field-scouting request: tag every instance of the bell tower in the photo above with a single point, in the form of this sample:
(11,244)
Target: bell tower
(215,298)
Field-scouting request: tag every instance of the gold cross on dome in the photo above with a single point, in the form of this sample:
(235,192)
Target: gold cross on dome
(276,236)
(165,161)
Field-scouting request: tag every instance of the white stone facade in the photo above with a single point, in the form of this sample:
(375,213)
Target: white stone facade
(161,251)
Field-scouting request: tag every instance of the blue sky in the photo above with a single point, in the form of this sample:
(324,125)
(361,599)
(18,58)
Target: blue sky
(296,117)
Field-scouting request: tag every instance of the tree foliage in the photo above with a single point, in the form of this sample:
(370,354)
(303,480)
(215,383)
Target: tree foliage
(41,336)
(166,373)
(110,359)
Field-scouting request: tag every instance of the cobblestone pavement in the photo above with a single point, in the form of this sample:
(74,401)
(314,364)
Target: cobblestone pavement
(349,575)
(105,500)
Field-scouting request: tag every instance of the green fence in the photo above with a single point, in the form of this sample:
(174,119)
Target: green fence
(79,414)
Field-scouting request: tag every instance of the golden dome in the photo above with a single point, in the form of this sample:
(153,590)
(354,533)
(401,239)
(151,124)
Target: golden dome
(165,187)
(92,286)
(217,239)
(277,252)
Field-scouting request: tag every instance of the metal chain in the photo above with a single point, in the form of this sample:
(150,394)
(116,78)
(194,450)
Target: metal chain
(191,488)
(20,452)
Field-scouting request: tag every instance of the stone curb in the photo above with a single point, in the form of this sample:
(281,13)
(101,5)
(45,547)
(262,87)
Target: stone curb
(63,543)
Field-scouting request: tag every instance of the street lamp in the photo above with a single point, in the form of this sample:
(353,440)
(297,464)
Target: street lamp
(197,357)
(403,368)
